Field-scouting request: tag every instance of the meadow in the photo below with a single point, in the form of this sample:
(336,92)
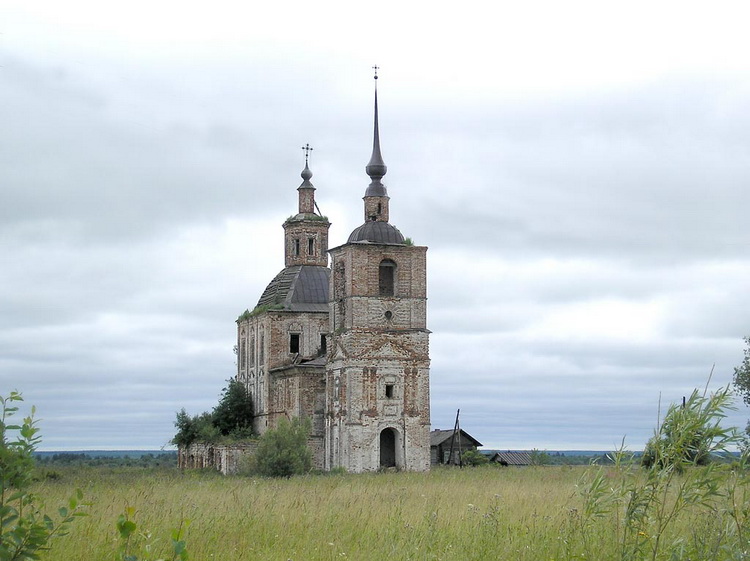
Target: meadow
(534,513)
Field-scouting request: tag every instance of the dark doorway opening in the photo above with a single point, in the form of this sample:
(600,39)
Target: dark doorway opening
(388,448)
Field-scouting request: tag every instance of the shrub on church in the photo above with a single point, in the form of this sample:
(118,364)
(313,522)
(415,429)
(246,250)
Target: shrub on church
(283,452)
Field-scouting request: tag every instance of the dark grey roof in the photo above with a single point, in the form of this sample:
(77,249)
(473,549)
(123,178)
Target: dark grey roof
(512,458)
(376,232)
(376,190)
(302,288)
(437,437)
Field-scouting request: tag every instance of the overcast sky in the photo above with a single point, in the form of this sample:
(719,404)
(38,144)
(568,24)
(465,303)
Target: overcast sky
(579,170)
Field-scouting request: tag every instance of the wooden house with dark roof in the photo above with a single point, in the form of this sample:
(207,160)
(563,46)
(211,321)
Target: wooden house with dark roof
(442,442)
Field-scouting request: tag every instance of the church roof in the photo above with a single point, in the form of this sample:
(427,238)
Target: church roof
(301,288)
(376,232)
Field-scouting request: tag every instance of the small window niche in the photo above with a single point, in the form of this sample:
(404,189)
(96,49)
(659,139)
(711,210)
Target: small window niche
(294,343)
(311,246)
(296,247)
(389,391)
(386,277)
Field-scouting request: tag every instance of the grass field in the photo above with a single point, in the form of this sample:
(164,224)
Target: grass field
(477,513)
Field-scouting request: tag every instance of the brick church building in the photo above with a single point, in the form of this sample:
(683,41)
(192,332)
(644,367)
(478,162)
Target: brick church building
(347,345)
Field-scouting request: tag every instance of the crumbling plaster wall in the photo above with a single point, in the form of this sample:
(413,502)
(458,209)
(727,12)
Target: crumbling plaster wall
(378,341)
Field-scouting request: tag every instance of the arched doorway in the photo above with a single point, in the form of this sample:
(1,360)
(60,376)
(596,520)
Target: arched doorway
(388,448)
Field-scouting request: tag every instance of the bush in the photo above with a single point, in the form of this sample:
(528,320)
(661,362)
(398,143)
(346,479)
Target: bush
(283,452)
(24,530)
(232,418)
(690,433)
(191,429)
(474,458)
(540,458)
(678,485)
(234,413)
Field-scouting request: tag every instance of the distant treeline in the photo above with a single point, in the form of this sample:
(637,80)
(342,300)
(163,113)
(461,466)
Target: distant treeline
(107,459)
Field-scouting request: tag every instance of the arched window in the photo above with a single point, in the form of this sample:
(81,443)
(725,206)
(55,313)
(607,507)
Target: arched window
(387,277)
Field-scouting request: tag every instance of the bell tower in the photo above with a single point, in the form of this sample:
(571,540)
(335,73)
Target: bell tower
(306,234)
(377,376)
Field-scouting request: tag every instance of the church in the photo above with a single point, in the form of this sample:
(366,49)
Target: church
(345,344)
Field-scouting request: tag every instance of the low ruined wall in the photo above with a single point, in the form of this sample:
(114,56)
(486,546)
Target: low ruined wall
(226,458)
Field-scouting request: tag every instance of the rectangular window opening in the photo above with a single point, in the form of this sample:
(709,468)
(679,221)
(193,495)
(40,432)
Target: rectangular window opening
(323,344)
(389,391)
(294,343)
(386,278)
(296,248)
(311,246)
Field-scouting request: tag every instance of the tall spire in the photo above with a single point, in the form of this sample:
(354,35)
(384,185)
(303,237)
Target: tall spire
(376,167)
(306,173)
(306,189)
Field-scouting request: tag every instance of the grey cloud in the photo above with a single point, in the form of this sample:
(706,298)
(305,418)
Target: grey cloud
(632,175)
(121,279)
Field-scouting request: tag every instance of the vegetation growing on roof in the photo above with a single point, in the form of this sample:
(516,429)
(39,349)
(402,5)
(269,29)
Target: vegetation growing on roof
(247,314)
(314,217)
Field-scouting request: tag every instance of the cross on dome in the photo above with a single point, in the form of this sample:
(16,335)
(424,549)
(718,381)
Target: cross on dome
(307,148)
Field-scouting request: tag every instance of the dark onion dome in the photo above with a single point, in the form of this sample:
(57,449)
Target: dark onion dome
(301,288)
(376,232)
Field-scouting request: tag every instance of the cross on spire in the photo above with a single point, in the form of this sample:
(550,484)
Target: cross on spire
(307,148)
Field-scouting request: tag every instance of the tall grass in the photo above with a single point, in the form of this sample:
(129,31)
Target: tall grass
(446,514)
(530,514)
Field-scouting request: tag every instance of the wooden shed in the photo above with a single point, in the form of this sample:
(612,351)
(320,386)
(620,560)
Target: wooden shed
(511,458)
(440,445)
